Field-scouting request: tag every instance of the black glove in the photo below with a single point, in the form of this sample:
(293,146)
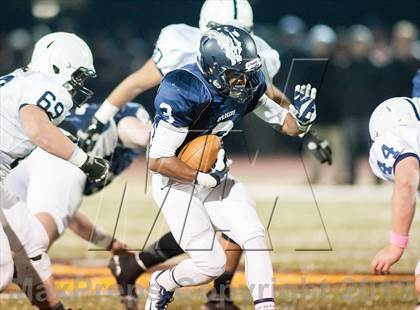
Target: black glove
(90,134)
(95,168)
(318,147)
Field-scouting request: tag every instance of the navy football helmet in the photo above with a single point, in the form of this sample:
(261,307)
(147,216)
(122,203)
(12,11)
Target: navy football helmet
(229,60)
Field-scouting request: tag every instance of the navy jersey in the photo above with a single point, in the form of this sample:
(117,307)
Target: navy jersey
(186,99)
(416,85)
(109,146)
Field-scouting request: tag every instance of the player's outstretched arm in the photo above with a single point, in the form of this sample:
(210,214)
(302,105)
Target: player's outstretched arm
(404,196)
(82,226)
(294,120)
(319,147)
(403,207)
(47,136)
(277,96)
(133,133)
(148,76)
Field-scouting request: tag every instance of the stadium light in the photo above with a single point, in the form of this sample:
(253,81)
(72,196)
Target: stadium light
(45,9)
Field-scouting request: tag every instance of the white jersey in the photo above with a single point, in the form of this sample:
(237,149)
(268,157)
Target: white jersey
(18,89)
(390,148)
(178,46)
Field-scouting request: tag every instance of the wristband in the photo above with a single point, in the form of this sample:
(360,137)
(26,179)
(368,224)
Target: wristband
(106,111)
(398,240)
(302,128)
(78,157)
(101,238)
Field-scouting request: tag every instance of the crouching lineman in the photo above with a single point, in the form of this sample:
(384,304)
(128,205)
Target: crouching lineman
(54,200)
(210,96)
(33,100)
(394,156)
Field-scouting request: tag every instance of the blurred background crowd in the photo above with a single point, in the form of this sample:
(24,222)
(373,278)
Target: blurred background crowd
(363,53)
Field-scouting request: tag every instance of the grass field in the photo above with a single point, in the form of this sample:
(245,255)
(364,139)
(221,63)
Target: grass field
(378,297)
(356,230)
(356,221)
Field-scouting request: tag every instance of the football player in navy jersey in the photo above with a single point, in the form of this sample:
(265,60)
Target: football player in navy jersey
(177,46)
(209,97)
(51,202)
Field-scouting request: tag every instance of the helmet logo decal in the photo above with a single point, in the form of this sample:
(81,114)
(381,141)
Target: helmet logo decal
(252,64)
(229,44)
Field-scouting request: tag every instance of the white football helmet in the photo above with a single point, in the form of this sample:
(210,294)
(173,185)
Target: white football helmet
(217,12)
(67,59)
(393,114)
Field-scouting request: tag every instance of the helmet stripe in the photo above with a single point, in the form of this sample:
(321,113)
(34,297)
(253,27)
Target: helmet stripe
(235,9)
(414,108)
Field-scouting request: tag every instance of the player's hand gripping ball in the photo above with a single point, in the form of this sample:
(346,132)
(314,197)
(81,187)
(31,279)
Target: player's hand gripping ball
(201,153)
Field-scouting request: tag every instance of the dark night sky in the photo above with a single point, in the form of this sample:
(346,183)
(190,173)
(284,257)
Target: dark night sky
(147,17)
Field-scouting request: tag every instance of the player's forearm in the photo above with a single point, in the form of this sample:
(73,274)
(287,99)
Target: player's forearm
(173,168)
(45,134)
(404,195)
(81,225)
(132,133)
(403,207)
(290,127)
(143,79)
(278,96)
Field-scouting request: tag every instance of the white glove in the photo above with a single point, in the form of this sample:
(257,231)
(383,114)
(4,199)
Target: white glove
(217,175)
(304,108)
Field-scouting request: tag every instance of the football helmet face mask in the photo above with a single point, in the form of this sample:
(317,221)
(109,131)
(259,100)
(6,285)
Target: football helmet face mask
(229,60)
(222,12)
(392,115)
(67,59)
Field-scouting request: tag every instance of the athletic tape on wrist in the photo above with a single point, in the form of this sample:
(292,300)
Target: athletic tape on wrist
(78,157)
(101,238)
(106,112)
(205,179)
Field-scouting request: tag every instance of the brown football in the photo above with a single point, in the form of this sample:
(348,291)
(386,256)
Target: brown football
(201,153)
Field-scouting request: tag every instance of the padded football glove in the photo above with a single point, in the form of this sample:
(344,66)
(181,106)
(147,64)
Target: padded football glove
(304,108)
(318,147)
(95,168)
(217,175)
(89,135)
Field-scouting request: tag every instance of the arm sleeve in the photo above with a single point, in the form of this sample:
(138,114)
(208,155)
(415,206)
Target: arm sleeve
(166,140)
(270,112)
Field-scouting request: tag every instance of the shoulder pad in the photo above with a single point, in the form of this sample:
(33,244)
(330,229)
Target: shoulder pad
(269,56)
(176,46)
